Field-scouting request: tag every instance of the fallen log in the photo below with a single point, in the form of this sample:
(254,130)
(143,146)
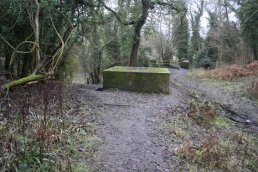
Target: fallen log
(22,81)
(233,115)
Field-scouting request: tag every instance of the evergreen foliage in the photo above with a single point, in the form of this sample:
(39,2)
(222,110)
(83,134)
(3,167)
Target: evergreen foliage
(248,15)
(181,34)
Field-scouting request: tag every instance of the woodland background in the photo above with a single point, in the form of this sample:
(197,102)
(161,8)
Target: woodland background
(76,39)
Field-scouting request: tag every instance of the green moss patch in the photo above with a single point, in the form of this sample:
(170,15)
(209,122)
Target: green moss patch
(222,121)
(138,69)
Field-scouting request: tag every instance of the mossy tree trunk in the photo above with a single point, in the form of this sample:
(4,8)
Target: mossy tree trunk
(137,32)
(23,81)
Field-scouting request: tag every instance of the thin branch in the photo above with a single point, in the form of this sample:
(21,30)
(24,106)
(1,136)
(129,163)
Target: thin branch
(250,16)
(172,6)
(117,17)
(15,49)
(61,49)
(18,52)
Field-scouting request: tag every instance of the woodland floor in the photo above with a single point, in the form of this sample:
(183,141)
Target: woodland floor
(152,132)
(135,127)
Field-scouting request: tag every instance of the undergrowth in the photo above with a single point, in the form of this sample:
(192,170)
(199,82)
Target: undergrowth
(236,153)
(37,135)
(240,79)
(202,112)
(230,72)
(208,141)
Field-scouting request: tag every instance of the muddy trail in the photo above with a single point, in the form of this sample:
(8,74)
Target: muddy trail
(130,126)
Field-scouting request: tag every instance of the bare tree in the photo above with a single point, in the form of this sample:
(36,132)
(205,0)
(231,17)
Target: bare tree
(146,5)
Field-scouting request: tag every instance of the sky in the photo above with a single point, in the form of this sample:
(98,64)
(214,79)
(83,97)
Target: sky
(162,21)
(204,24)
(209,5)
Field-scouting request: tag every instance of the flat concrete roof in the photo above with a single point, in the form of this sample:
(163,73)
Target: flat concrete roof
(137,69)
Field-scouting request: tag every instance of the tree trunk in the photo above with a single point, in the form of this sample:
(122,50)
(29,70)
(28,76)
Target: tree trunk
(23,81)
(255,51)
(8,69)
(135,48)
(26,65)
(37,36)
(195,22)
(137,32)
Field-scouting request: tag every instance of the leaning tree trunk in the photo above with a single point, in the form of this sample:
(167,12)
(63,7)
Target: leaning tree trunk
(22,81)
(137,32)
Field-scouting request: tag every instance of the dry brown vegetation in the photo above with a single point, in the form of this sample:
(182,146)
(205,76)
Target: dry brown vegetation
(245,75)
(230,72)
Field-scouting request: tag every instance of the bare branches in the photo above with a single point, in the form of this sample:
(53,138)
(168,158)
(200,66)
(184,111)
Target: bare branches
(148,5)
(117,16)
(195,19)
(172,6)
(19,52)
(12,47)
(60,51)
(16,51)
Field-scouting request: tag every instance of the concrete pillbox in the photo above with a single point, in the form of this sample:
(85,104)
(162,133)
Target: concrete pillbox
(139,79)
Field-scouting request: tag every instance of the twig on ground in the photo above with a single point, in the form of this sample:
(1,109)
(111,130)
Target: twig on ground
(115,104)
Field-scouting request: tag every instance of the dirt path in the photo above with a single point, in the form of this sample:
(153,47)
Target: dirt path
(247,110)
(131,123)
(131,131)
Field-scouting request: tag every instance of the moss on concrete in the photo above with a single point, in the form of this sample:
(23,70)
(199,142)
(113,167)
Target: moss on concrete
(137,79)
(138,69)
